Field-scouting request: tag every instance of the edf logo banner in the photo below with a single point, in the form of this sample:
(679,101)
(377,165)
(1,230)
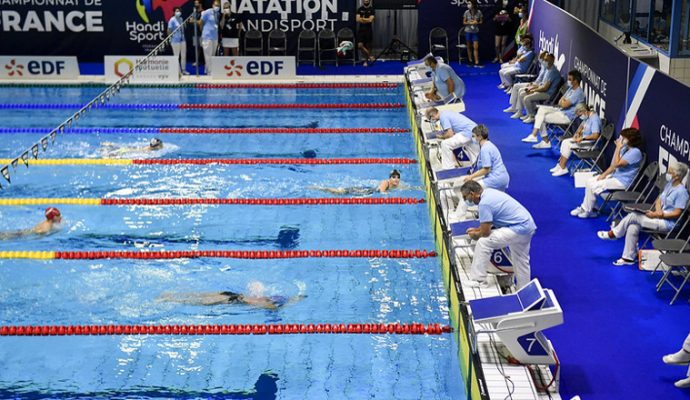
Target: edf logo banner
(34,68)
(253,68)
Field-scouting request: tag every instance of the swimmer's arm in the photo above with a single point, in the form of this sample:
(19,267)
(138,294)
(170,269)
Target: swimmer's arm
(295,299)
(383,186)
(261,303)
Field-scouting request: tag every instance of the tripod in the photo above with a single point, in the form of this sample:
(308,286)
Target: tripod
(396,46)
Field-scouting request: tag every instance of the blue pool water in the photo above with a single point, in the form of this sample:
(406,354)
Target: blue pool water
(134,291)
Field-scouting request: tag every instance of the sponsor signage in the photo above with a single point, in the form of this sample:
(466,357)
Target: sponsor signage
(44,68)
(251,68)
(156,70)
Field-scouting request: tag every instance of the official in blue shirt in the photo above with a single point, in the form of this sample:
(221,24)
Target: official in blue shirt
(546,89)
(518,91)
(445,80)
(456,132)
(209,33)
(503,222)
(619,175)
(667,208)
(490,172)
(584,138)
(563,114)
(177,42)
(517,66)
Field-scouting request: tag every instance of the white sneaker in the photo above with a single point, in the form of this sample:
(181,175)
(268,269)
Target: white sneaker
(510,110)
(679,358)
(622,261)
(560,171)
(508,90)
(517,115)
(556,168)
(683,383)
(530,139)
(476,284)
(501,86)
(604,235)
(585,214)
(528,120)
(576,211)
(542,145)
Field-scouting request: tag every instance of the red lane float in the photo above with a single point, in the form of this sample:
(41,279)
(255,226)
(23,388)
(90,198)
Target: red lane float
(245,131)
(264,202)
(325,106)
(413,328)
(245,254)
(282,161)
(382,85)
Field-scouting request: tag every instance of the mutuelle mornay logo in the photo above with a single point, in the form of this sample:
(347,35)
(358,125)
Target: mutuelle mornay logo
(234,69)
(122,67)
(145,8)
(13,68)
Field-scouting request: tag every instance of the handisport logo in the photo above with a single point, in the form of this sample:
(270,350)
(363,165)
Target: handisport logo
(552,45)
(145,8)
(13,68)
(122,67)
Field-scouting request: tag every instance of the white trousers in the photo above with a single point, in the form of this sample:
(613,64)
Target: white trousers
(519,254)
(507,74)
(567,146)
(209,47)
(531,100)
(180,51)
(448,159)
(594,188)
(630,227)
(686,347)
(549,115)
(516,93)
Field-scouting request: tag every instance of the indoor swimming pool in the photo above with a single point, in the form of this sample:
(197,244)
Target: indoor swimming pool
(304,290)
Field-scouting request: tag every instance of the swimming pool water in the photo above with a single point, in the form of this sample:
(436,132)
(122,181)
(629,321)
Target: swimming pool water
(130,291)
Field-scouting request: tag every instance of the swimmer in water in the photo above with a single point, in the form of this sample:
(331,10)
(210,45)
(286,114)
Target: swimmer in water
(254,297)
(393,182)
(50,225)
(112,149)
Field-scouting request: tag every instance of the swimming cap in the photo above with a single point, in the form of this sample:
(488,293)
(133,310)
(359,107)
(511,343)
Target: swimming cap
(52,213)
(395,172)
(309,154)
(155,142)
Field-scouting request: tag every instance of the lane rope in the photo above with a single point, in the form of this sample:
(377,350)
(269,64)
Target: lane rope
(202,106)
(412,328)
(207,161)
(384,85)
(312,201)
(241,254)
(209,131)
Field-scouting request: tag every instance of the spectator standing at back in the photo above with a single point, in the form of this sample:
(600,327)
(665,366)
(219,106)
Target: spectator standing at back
(231,26)
(177,42)
(365,19)
(209,33)
(472,19)
(502,23)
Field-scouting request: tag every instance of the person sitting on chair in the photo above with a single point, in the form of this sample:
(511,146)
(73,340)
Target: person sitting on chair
(563,114)
(445,81)
(456,132)
(518,65)
(626,160)
(662,218)
(584,138)
(543,91)
(681,357)
(519,88)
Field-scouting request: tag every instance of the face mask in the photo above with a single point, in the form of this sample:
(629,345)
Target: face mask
(521,15)
(470,6)
(583,117)
(625,142)
(226,11)
(216,9)
(570,84)
(669,177)
(543,63)
(178,14)
(469,203)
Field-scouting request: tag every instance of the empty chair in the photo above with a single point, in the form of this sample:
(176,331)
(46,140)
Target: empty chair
(306,45)
(438,42)
(253,43)
(462,47)
(346,35)
(277,43)
(327,47)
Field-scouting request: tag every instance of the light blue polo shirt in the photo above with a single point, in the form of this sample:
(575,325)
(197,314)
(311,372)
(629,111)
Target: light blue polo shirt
(174,23)
(673,198)
(553,76)
(592,124)
(444,72)
(541,77)
(209,24)
(503,211)
(490,157)
(575,96)
(625,175)
(459,123)
(524,64)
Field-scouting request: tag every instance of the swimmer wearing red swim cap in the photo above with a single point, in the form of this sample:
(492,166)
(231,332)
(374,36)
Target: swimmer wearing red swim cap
(50,225)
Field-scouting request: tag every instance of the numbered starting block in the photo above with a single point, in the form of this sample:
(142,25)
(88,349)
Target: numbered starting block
(461,242)
(519,319)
